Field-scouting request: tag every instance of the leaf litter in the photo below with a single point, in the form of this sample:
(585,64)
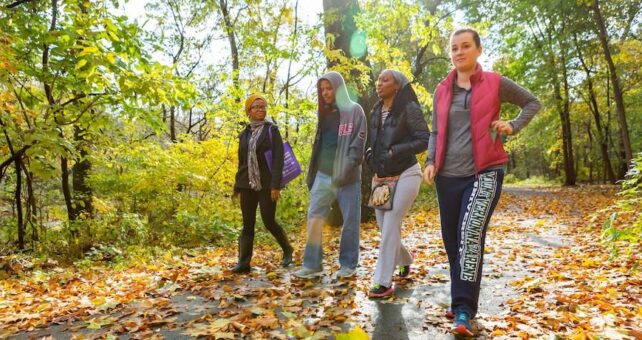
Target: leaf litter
(545,260)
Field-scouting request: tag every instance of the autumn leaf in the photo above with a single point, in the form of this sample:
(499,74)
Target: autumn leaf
(354,334)
(98,323)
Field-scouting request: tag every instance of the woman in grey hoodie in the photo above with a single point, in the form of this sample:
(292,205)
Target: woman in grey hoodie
(335,173)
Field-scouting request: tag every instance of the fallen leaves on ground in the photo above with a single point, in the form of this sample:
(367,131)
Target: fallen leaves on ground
(546,273)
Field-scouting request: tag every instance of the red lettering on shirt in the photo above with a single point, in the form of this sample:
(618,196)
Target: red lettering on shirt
(346,129)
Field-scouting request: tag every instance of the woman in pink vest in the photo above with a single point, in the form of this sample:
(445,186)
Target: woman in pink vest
(466,161)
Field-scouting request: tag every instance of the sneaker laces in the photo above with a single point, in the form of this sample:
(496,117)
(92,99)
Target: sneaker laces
(463,317)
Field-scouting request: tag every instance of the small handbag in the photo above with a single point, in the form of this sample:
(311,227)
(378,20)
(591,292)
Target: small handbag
(383,192)
(291,166)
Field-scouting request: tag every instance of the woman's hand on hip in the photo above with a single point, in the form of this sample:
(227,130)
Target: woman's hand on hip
(276,194)
(429,174)
(503,127)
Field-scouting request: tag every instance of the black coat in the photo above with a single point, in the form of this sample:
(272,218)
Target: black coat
(269,180)
(405,133)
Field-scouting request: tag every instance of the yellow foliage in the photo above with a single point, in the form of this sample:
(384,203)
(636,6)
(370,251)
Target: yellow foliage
(103,206)
(354,334)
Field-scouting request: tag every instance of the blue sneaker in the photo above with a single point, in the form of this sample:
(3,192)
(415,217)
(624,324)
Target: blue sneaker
(462,325)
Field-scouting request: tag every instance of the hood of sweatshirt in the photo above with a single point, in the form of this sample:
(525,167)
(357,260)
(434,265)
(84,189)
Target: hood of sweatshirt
(342,99)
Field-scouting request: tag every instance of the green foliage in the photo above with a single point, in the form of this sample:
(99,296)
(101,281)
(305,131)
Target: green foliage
(427,198)
(530,181)
(416,44)
(176,191)
(155,106)
(73,73)
(623,229)
(537,44)
(105,96)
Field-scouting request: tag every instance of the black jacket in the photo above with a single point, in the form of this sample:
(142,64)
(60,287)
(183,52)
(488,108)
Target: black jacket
(404,132)
(268,180)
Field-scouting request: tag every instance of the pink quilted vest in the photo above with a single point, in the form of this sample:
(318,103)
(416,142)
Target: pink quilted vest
(484,109)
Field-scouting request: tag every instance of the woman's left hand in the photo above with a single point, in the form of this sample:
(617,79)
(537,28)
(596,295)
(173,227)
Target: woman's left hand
(276,194)
(503,127)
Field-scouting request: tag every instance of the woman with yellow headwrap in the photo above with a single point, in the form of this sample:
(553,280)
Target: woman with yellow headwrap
(256,184)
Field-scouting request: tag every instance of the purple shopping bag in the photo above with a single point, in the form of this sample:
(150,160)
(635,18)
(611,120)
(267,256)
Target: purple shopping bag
(291,167)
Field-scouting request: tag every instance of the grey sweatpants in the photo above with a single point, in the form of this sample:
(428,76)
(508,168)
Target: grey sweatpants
(391,252)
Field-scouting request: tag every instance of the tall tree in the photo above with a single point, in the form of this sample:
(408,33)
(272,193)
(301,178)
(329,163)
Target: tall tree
(595,110)
(179,36)
(543,25)
(615,80)
(70,64)
(229,21)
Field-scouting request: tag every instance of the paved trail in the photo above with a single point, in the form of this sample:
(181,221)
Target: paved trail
(196,298)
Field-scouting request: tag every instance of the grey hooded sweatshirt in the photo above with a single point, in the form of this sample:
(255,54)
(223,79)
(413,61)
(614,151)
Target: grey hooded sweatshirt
(351,136)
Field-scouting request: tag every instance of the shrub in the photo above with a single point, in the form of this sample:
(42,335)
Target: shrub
(622,231)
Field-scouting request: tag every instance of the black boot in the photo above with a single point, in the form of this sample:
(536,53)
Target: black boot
(240,268)
(245,254)
(282,239)
(287,256)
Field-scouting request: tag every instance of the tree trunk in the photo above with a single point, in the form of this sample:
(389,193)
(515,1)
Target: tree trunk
(617,91)
(231,37)
(45,53)
(82,194)
(17,161)
(190,118)
(66,191)
(567,133)
(623,165)
(588,154)
(31,203)
(64,166)
(563,105)
(172,123)
(338,21)
(604,148)
(286,86)
(21,226)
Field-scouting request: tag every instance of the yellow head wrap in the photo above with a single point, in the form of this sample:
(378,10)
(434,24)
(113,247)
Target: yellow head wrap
(251,99)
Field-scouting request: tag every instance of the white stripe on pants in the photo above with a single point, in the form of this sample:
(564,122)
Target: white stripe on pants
(391,252)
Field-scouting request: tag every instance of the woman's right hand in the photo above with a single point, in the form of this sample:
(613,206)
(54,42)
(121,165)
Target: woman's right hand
(429,174)
(235,198)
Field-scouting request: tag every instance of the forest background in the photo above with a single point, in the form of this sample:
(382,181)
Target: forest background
(119,121)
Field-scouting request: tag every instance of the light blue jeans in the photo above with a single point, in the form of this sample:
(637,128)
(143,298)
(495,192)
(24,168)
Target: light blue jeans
(322,195)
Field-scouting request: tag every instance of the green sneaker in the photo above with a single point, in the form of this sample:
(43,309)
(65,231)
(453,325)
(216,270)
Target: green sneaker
(378,291)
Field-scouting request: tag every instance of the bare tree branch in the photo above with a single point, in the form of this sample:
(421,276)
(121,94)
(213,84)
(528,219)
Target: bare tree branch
(17,3)
(13,158)
(81,96)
